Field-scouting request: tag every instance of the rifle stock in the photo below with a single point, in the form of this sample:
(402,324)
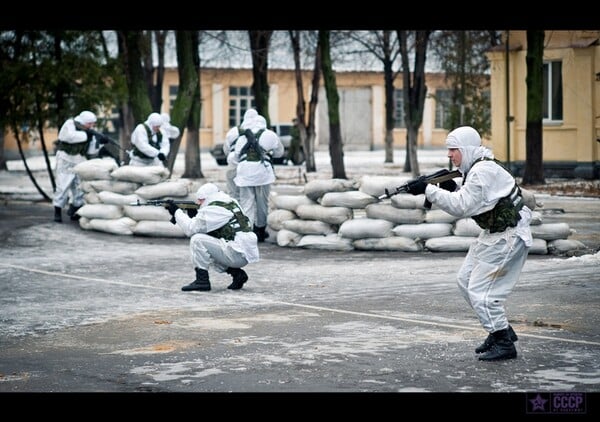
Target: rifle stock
(437,177)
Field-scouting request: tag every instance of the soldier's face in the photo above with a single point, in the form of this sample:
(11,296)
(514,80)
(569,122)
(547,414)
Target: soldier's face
(455,156)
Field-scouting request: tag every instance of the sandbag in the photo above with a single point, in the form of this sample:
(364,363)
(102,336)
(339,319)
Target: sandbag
(331,215)
(308,226)
(467,227)
(95,169)
(124,188)
(117,198)
(290,202)
(362,228)
(394,243)
(103,211)
(350,199)
(395,215)
(449,243)
(331,242)
(439,216)
(120,226)
(288,238)
(376,185)
(145,175)
(423,231)
(276,218)
(538,247)
(407,201)
(551,231)
(146,212)
(564,246)
(315,189)
(176,189)
(157,229)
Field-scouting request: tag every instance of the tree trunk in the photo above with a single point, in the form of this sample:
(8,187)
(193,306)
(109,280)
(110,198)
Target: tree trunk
(299,128)
(139,99)
(415,92)
(309,143)
(186,108)
(336,150)
(388,77)
(534,165)
(259,48)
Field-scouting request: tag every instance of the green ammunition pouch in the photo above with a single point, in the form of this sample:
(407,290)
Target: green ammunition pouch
(79,148)
(506,212)
(239,222)
(156,144)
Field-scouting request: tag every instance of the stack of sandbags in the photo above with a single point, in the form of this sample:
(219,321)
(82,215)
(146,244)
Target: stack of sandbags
(115,198)
(339,214)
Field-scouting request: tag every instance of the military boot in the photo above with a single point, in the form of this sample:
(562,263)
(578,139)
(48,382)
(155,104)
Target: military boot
(261,233)
(58,214)
(72,212)
(502,347)
(487,344)
(201,282)
(239,278)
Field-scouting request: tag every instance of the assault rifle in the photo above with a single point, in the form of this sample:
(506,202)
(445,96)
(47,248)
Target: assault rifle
(190,206)
(103,139)
(437,177)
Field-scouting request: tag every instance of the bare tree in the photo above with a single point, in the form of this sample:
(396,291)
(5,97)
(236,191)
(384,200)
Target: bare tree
(534,163)
(187,106)
(414,91)
(259,49)
(336,150)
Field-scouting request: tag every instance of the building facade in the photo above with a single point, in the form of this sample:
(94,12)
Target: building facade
(571,125)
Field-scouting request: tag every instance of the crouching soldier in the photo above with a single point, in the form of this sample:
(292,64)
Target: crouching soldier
(220,235)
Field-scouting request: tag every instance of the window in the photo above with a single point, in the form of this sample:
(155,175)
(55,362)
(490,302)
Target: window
(553,100)
(241,99)
(399,121)
(173,89)
(443,103)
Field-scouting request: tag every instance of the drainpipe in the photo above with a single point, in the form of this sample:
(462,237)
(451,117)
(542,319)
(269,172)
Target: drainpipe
(508,118)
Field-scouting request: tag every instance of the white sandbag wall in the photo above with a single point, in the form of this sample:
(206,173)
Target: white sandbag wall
(110,192)
(338,214)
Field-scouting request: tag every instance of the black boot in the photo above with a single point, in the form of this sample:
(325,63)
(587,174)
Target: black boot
(261,233)
(72,212)
(201,282)
(502,347)
(58,214)
(487,344)
(239,278)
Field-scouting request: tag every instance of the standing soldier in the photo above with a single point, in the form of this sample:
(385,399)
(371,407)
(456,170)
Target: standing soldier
(150,148)
(75,145)
(490,195)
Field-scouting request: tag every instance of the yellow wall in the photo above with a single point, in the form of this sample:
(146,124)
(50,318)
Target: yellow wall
(575,138)
(215,85)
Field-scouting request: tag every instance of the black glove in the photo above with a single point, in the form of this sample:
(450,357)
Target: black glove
(102,139)
(449,185)
(161,156)
(172,207)
(417,186)
(192,212)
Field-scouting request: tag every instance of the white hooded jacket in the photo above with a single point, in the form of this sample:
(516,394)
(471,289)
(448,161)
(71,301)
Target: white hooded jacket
(257,173)
(213,217)
(485,183)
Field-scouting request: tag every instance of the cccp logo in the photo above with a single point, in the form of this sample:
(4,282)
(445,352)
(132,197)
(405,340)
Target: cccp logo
(556,403)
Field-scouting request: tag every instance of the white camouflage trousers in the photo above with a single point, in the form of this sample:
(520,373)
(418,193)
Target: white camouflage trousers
(207,250)
(489,273)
